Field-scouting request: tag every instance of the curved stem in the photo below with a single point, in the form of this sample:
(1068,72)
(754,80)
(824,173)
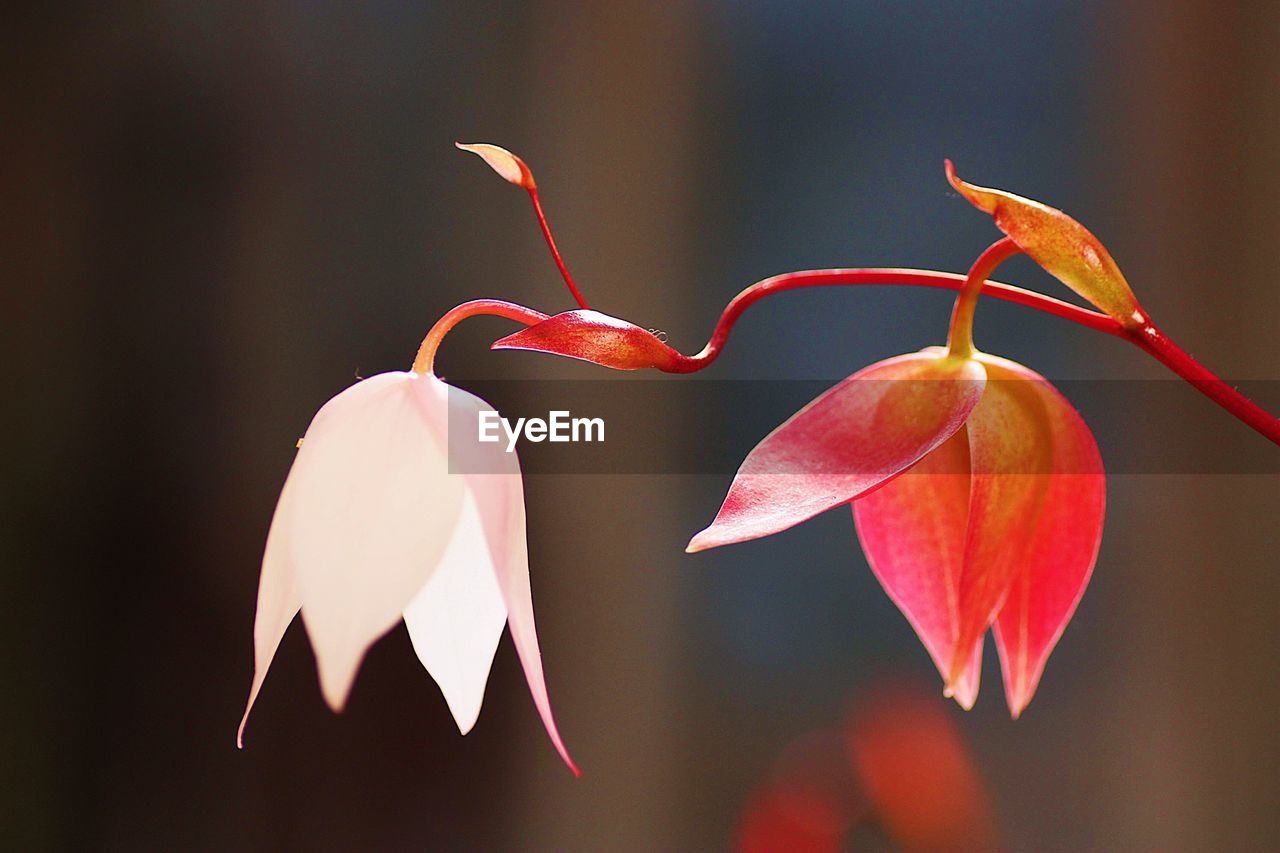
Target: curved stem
(425,361)
(883,276)
(551,244)
(1154,342)
(960,334)
(1145,336)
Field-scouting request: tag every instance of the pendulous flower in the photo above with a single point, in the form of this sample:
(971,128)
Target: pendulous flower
(977,493)
(372,526)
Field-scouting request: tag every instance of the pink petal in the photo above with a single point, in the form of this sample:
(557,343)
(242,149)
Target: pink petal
(373,508)
(278,602)
(912,530)
(456,621)
(493,475)
(1064,546)
(1010,463)
(598,338)
(853,438)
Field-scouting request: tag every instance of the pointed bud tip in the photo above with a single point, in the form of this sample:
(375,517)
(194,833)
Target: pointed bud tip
(1066,249)
(977,196)
(508,165)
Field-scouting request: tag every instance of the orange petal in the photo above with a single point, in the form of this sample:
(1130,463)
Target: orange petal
(852,439)
(1035,521)
(1009,457)
(1060,244)
(912,531)
(1064,545)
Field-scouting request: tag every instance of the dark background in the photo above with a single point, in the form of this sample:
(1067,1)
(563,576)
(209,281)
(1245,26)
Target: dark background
(216,215)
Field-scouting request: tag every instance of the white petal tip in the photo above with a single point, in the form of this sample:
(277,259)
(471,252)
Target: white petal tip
(337,678)
(336,699)
(465,719)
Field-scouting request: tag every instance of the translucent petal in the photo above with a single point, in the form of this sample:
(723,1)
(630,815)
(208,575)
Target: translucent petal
(855,437)
(373,508)
(912,531)
(456,621)
(278,602)
(1009,457)
(493,475)
(1064,545)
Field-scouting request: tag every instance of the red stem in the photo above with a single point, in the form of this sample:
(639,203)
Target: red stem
(551,244)
(848,277)
(1150,339)
(960,334)
(1145,336)
(425,360)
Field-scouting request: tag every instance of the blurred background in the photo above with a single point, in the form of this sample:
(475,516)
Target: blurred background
(217,215)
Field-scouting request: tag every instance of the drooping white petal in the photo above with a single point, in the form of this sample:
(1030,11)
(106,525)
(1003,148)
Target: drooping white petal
(456,621)
(373,508)
(493,475)
(278,602)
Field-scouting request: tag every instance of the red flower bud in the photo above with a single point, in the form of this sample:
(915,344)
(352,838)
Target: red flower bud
(598,338)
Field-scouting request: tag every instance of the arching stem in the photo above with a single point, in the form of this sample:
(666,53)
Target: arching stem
(1145,336)
(425,361)
(551,244)
(884,276)
(960,335)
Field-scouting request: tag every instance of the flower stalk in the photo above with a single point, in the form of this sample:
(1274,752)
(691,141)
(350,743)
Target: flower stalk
(424,363)
(960,335)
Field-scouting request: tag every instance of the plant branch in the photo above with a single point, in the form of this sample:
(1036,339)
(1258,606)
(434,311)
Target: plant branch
(1151,340)
(886,276)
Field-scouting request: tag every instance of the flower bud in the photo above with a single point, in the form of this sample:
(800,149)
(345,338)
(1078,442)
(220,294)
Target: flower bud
(1061,245)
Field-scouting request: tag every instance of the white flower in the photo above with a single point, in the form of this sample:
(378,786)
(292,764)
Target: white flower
(372,527)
